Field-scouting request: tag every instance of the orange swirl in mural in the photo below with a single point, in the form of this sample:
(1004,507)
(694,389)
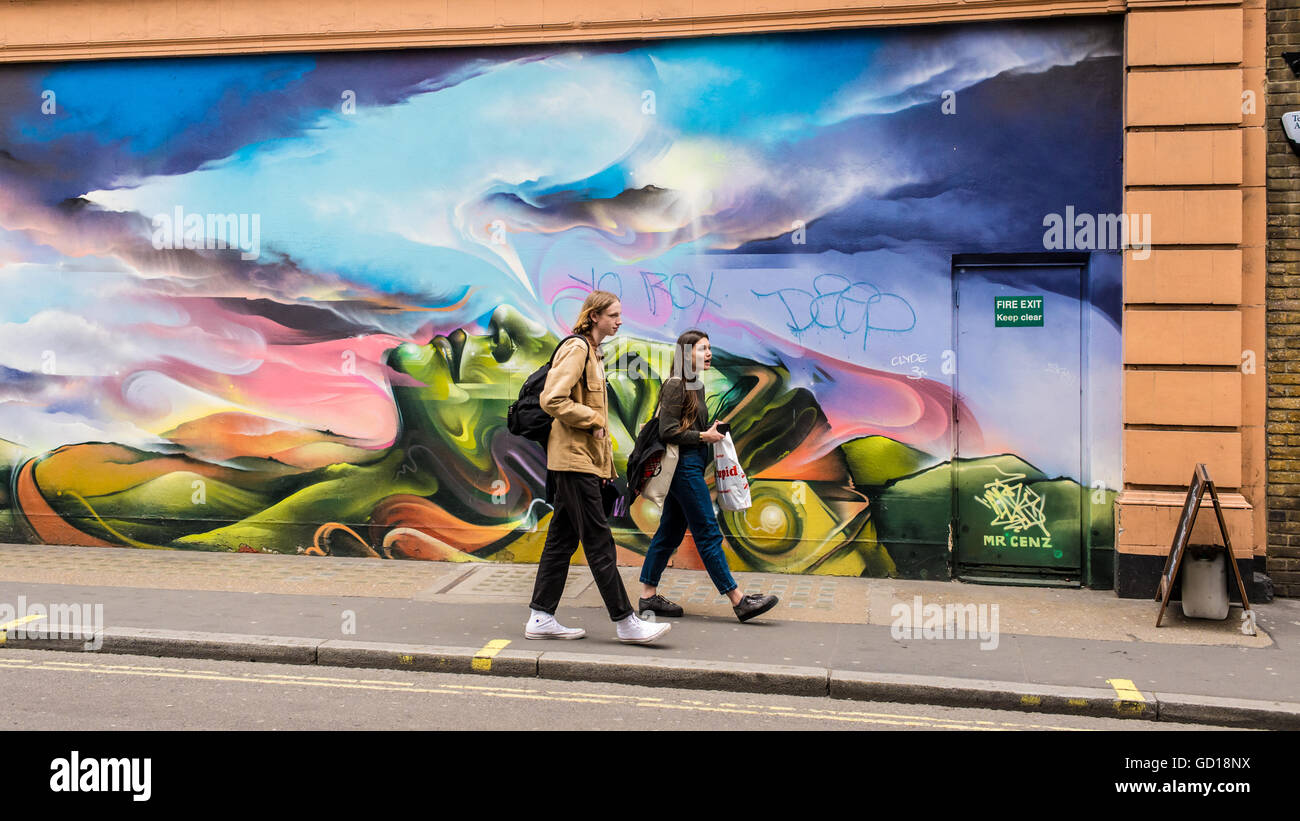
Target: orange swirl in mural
(413,544)
(764,382)
(416,513)
(320,547)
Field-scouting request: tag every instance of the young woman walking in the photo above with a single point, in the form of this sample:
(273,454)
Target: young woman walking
(681,421)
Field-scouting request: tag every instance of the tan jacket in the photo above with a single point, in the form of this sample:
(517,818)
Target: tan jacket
(575,396)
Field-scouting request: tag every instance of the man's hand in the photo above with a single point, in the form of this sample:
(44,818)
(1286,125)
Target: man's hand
(599,433)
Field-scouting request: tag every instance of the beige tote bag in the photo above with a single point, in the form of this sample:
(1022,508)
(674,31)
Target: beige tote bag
(661,475)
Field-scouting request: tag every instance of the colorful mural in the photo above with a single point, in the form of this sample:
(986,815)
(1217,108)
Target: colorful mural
(281,303)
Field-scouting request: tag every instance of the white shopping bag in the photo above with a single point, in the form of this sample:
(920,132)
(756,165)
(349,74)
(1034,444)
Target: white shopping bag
(659,472)
(731,482)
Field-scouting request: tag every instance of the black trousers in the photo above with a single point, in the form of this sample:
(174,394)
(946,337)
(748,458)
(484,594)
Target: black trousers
(579,517)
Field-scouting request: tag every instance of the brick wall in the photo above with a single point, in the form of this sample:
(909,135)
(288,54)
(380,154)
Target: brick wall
(1283,359)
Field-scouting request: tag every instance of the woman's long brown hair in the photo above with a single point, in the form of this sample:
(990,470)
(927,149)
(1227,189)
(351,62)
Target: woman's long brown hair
(683,368)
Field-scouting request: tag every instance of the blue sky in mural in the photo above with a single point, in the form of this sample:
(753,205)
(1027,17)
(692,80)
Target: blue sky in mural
(526,171)
(750,133)
(180,96)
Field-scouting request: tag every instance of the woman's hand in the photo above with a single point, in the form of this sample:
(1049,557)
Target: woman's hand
(711,435)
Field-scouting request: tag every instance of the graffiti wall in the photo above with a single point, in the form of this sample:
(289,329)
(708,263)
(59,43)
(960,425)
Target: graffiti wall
(281,303)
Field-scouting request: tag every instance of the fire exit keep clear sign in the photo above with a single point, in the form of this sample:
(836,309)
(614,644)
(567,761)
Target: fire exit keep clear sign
(1017,311)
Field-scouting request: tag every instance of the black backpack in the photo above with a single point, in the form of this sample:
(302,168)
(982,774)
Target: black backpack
(526,417)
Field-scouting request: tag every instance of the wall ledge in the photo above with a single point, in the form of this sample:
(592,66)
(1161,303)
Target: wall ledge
(377,36)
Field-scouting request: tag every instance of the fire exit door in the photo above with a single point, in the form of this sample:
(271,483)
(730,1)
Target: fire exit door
(1018,449)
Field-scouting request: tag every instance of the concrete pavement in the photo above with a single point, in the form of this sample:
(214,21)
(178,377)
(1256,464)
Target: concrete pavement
(1043,649)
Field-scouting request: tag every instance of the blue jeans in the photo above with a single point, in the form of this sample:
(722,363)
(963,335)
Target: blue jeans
(688,505)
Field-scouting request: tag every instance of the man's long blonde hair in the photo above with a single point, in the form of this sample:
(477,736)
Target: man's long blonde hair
(596,303)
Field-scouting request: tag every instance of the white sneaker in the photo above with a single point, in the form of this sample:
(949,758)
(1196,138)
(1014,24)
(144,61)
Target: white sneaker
(544,626)
(632,630)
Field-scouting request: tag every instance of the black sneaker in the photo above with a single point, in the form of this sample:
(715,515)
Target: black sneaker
(659,606)
(753,605)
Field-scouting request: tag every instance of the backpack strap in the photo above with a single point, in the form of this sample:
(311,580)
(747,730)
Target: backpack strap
(566,339)
(660,399)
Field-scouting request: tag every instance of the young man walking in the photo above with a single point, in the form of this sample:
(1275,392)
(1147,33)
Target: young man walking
(579,457)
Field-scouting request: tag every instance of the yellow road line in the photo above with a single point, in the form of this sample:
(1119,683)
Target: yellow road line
(921,721)
(1125,689)
(483,658)
(475,687)
(592,699)
(9,625)
(1129,700)
(331,678)
(134,667)
(963,720)
(608,695)
(211,676)
(885,715)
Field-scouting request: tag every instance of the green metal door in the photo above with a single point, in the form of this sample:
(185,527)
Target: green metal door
(1018,515)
